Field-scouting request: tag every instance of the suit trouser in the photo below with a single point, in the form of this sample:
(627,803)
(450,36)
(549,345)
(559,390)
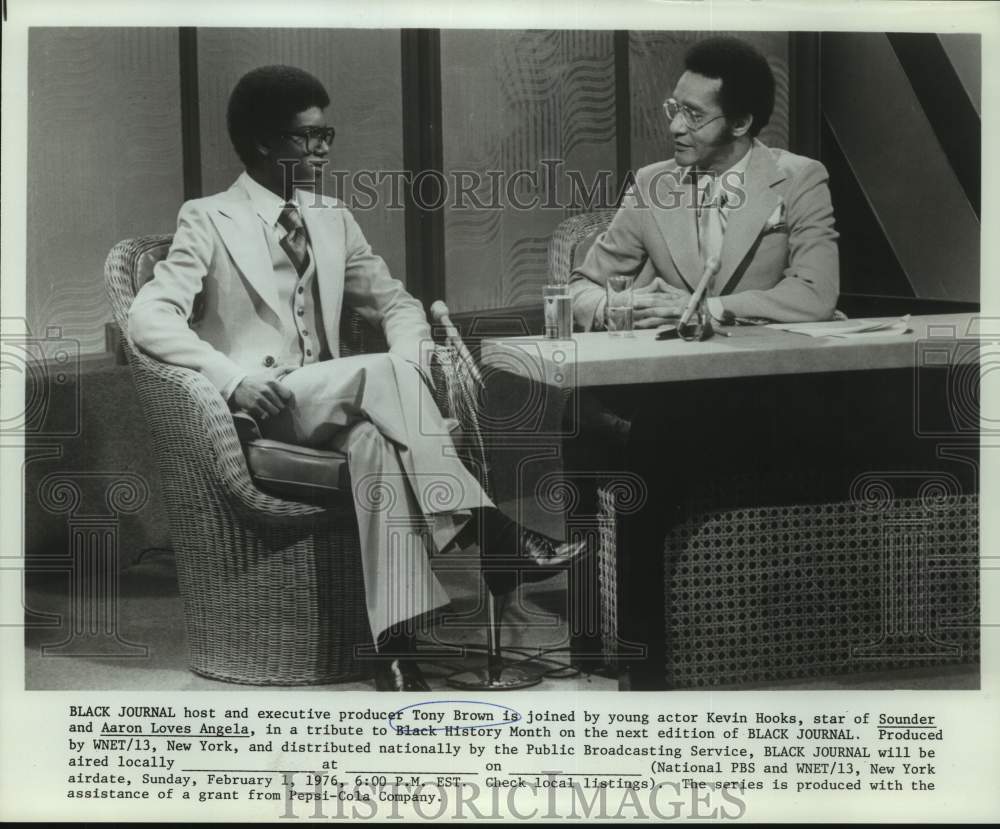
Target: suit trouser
(407,480)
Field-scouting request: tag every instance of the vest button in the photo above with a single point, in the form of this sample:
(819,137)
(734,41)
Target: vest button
(269,361)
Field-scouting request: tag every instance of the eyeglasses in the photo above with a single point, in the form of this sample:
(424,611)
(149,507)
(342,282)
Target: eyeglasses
(694,120)
(311,137)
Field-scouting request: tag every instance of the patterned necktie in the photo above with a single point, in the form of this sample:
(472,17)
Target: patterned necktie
(711,223)
(295,244)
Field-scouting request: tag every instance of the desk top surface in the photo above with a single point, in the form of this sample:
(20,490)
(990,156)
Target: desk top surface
(599,359)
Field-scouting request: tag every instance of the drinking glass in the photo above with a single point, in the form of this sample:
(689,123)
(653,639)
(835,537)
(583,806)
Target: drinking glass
(558,311)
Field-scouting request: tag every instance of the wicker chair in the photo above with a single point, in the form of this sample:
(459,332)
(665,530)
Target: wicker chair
(272,587)
(572,239)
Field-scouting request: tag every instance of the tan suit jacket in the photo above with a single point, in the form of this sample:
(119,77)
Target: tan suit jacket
(218,275)
(779,254)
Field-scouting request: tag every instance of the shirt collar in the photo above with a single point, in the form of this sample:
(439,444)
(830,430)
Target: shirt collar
(266,204)
(739,168)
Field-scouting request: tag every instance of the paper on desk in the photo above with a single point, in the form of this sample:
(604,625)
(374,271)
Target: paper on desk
(847,328)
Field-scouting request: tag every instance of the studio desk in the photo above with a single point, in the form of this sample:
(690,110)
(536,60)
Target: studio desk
(785,506)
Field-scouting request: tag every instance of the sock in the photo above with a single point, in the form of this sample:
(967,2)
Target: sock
(397,641)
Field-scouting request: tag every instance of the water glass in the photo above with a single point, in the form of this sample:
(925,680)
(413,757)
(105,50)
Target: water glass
(558,307)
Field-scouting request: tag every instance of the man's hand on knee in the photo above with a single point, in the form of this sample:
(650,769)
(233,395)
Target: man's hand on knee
(262,395)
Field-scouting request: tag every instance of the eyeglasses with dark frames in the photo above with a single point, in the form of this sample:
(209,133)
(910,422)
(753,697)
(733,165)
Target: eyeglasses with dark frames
(311,137)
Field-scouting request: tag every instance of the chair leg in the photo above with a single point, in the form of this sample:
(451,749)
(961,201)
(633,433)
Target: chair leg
(496,675)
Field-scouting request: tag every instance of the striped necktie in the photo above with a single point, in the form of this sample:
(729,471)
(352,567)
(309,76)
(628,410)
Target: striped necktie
(295,243)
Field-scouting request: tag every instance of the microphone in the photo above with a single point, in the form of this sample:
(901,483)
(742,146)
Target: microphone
(711,269)
(440,314)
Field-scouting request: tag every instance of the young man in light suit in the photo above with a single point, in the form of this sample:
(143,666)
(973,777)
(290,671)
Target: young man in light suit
(764,213)
(251,295)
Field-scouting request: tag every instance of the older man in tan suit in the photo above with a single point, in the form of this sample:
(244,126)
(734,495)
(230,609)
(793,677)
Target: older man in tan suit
(251,295)
(764,213)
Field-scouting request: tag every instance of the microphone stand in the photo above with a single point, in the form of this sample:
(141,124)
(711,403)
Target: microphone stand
(496,675)
(711,269)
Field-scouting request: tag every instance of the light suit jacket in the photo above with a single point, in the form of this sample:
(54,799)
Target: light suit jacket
(779,254)
(211,304)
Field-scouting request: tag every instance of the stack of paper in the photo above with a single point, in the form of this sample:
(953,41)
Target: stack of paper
(847,328)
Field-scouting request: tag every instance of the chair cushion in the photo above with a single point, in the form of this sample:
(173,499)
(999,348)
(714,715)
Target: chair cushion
(297,471)
(289,470)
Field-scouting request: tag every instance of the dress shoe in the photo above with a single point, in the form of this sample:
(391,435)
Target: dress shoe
(509,551)
(399,675)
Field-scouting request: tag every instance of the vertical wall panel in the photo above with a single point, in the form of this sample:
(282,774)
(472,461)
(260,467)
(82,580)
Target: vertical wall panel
(104,163)
(656,62)
(511,99)
(361,72)
(886,138)
(965,53)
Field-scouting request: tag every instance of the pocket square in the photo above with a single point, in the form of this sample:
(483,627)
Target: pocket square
(776,221)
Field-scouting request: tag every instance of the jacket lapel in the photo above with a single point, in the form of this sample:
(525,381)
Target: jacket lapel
(745,222)
(238,225)
(674,212)
(328,252)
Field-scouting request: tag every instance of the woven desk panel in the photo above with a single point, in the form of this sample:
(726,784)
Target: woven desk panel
(805,591)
